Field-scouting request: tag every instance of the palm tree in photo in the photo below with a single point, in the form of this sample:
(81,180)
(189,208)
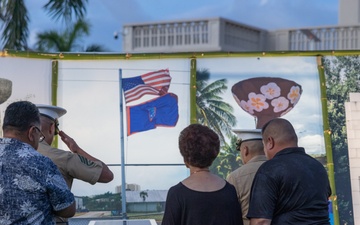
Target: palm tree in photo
(228,160)
(66,41)
(211,110)
(15,20)
(143,195)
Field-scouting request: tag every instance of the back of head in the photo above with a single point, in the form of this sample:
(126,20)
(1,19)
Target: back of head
(255,147)
(20,116)
(281,131)
(199,145)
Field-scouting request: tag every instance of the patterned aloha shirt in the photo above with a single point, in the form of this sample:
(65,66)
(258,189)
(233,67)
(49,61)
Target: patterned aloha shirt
(31,186)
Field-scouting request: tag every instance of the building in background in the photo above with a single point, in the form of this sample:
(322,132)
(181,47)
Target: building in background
(149,201)
(129,187)
(352,109)
(220,34)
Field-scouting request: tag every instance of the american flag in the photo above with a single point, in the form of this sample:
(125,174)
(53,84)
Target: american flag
(153,83)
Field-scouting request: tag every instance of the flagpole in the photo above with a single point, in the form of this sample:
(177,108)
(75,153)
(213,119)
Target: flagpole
(123,182)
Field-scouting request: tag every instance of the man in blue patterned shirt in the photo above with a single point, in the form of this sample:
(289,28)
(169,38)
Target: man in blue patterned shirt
(32,190)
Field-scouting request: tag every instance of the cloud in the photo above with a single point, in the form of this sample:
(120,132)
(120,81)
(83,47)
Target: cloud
(314,144)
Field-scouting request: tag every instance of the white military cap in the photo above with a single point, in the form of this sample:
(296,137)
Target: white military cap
(53,112)
(247,135)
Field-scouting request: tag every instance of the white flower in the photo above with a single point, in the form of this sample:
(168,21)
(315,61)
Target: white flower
(294,94)
(257,101)
(247,106)
(26,183)
(271,90)
(23,154)
(26,208)
(5,219)
(280,104)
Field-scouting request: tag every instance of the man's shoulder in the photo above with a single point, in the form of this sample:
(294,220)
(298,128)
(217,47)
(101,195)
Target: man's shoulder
(48,150)
(246,169)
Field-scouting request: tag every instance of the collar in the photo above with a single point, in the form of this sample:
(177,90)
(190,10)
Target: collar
(257,158)
(295,150)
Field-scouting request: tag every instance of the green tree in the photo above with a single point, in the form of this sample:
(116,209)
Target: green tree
(228,159)
(143,195)
(15,19)
(342,77)
(211,110)
(67,41)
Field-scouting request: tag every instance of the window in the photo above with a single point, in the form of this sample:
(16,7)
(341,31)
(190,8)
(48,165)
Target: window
(146,37)
(187,35)
(196,33)
(154,33)
(171,35)
(179,34)
(137,37)
(162,35)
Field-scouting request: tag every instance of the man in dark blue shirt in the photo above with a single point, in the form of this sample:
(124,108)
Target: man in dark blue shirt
(291,187)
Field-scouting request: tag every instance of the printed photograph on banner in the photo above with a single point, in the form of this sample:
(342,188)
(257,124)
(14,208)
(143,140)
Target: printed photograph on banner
(161,111)
(28,82)
(90,92)
(256,90)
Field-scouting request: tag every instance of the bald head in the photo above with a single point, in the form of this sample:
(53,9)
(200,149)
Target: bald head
(250,149)
(256,147)
(278,134)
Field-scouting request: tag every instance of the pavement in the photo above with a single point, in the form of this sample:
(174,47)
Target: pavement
(93,214)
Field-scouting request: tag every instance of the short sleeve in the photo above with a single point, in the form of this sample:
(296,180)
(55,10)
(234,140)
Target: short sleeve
(83,169)
(59,194)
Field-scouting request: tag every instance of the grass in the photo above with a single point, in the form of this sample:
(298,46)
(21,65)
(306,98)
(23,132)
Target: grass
(156,216)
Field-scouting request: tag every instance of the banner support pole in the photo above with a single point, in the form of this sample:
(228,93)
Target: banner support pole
(123,182)
(328,146)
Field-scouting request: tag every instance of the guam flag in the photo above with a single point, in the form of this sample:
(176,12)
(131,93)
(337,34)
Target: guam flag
(162,111)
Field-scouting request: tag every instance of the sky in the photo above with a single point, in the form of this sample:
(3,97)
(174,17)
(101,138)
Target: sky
(109,16)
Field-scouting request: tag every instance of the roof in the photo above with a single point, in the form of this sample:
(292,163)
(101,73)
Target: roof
(152,196)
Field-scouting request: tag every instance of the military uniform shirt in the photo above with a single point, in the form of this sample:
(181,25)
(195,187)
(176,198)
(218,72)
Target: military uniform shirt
(242,179)
(72,165)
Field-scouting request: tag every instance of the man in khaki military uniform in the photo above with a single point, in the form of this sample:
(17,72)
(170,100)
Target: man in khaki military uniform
(252,155)
(73,164)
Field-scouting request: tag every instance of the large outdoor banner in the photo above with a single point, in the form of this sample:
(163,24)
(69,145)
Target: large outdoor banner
(158,101)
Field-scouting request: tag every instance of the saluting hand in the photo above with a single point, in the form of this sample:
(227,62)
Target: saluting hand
(72,145)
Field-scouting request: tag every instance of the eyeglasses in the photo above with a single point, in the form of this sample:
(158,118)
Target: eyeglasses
(56,122)
(42,137)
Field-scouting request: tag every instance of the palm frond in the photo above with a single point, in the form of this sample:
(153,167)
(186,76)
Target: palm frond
(15,26)
(66,9)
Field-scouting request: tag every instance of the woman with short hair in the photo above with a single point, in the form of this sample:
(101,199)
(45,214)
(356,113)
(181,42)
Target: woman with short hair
(202,198)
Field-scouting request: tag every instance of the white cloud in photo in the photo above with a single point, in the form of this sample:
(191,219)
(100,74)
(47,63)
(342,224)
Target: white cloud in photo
(314,144)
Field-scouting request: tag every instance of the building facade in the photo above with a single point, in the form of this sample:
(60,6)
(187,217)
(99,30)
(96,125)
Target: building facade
(224,35)
(213,34)
(352,109)
(128,187)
